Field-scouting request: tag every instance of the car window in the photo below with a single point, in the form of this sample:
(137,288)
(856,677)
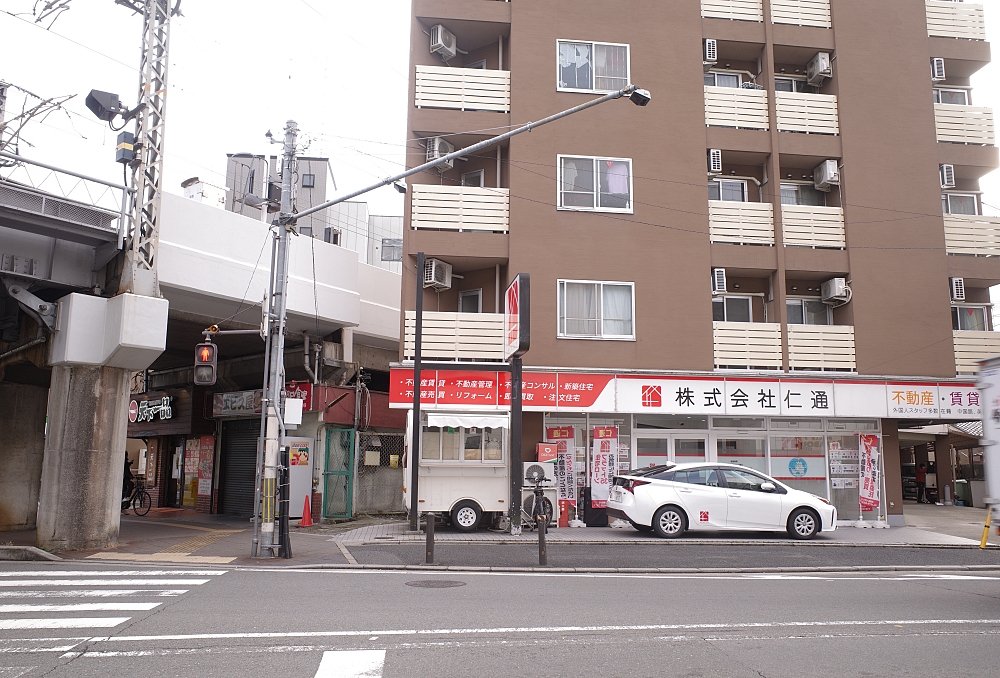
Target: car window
(743,480)
(698,476)
(662,475)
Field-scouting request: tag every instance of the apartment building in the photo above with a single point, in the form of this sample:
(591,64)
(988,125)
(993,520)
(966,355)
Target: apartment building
(778,261)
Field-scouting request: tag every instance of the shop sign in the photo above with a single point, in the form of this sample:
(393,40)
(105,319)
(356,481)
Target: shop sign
(869,494)
(913,400)
(148,410)
(537,389)
(959,401)
(557,433)
(602,464)
(249,403)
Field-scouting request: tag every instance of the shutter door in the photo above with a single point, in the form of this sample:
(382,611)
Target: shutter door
(239,462)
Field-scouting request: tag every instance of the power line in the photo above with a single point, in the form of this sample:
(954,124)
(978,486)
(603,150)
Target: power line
(78,44)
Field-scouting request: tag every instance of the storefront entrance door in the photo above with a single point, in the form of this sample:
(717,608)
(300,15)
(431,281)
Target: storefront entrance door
(338,478)
(651,449)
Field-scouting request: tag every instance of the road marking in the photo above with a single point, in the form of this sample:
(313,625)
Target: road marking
(68,623)
(189,546)
(113,573)
(104,582)
(351,664)
(163,557)
(78,607)
(346,553)
(95,593)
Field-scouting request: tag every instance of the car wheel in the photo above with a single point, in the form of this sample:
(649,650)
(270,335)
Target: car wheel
(641,528)
(669,522)
(466,516)
(803,524)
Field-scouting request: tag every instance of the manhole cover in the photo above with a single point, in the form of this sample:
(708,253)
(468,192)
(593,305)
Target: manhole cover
(435,583)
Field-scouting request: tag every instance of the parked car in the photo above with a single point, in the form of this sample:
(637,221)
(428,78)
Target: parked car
(709,496)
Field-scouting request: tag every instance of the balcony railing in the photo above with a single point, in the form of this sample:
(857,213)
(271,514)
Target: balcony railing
(741,223)
(747,345)
(964,124)
(801,12)
(459,208)
(821,347)
(735,107)
(807,226)
(972,234)
(741,10)
(971,347)
(809,113)
(466,89)
(955,20)
(456,336)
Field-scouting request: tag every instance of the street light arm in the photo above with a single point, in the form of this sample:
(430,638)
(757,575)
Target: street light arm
(638,96)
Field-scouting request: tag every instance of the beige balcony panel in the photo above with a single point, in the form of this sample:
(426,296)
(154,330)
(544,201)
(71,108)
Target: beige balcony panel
(964,124)
(807,226)
(955,20)
(821,347)
(466,89)
(735,107)
(459,208)
(809,113)
(801,12)
(747,345)
(972,234)
(456,336)
(741,10)
(742,223)
(971,347)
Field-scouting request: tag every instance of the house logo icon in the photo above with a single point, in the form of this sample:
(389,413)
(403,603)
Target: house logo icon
(652,396)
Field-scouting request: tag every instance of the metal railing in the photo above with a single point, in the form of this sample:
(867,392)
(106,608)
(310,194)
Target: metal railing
(742,10)
(972,234)
(971,347)
(821,347)
(747,345)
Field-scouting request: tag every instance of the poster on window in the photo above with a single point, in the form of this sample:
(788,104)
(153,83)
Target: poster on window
(871,482)
(564,473)
(602,460)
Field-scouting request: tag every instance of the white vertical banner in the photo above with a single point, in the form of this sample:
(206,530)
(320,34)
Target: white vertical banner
(871,482)
(564,473)
(603,457)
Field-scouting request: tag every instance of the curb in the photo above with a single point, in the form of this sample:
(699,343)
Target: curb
(636,570)
(23,553)
(669,542)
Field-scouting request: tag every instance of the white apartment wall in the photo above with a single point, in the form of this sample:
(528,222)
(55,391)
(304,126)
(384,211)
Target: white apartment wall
(382,228)
(379,307)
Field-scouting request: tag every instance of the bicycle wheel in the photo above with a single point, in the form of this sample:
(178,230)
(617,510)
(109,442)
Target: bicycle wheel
(141,503)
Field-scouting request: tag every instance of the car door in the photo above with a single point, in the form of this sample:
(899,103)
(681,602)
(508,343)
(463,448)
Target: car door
(749,507)
(705,502)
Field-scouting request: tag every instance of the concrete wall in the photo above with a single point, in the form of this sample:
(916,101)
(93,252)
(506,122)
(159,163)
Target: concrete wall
(22,448)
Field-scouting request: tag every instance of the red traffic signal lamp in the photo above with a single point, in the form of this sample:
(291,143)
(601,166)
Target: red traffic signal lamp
(206,364)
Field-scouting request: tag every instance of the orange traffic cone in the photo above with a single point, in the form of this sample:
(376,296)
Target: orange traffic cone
(307,520)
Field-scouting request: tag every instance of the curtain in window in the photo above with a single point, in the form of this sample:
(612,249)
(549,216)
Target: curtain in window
(574,65)
(577,182)
(962,204)
(713,190)
(617,304)
(614,183)
(732,191)
(737,309)
(727,80)
(971,318)
(610,67)
(789,194)
(794,312)
(580,309)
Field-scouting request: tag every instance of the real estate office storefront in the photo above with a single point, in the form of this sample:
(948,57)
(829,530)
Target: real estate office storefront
(806,432)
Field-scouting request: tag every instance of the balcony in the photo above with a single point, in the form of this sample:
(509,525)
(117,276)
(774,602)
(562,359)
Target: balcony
(747,345)
(466,89)
(741,223)
(821,347)
(808,113)
(739,10)
(732,107)
(972,234)
(801,12)
(955,20)
(459,208)
(964,124)
(806,226)
(456,336)
(971,347)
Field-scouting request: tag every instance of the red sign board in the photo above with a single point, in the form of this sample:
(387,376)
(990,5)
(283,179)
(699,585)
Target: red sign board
(546,451)
(401,387)
(559,433)
(466,388)
(516,318)
(537,389)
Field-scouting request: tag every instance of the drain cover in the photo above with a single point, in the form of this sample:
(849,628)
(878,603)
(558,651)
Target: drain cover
(435,583)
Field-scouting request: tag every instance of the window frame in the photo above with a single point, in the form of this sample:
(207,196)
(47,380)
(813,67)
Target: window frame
(480,173)
(462,461)
(478,293)
(597,185)
(801,301)
(309,177)
(396,245)
(600,336)
(715,73)
(946,199)
(965,90)
(720,180)
(723,297)
(795,80)
(799,184)
(593,71)
(987,310)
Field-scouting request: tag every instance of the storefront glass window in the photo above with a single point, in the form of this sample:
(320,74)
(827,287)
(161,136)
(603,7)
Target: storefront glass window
(852,425)
(800,462)
(669,421)
(451,440)
(796,425)
(753,423)
(749,452)
(473,445)
(845,471)
(493,444)
(624,424)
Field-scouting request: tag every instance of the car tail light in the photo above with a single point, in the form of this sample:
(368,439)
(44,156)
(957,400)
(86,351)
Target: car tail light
(630,485)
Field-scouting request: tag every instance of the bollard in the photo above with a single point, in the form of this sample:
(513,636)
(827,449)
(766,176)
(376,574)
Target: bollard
(430,517)
(543,559)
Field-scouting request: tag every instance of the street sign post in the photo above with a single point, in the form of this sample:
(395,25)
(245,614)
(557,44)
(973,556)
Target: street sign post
(517,339)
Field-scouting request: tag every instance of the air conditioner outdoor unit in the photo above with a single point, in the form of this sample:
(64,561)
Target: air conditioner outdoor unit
(438,147)
(835,289)
(710,53)
(437,274)
(443,42)
(819,68)
(714,161)
(947,176)
(718,280)
(826,174)
(957,289)
(544,471)
(937,70)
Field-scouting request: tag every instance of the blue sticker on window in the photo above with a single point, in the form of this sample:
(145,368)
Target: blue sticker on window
(798,467)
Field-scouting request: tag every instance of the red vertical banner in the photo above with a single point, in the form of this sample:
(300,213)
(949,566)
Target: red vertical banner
(869,494)
(602,459)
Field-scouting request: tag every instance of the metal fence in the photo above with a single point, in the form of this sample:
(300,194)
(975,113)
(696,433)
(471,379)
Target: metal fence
(379,481)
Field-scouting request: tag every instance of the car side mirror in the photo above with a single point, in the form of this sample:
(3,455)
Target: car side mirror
(767,487)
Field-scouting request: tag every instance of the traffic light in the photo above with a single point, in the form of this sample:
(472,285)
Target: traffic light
(206,364)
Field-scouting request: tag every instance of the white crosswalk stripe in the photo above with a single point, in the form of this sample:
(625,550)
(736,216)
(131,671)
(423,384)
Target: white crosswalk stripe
(351,664)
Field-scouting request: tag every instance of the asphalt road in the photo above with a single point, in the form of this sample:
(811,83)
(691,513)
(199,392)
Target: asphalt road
(198,622)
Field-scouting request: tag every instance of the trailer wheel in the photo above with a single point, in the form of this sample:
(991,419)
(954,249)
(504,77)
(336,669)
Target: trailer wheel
(466,515)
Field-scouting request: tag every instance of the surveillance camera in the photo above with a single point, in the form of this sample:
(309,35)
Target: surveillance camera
(640,97)
(104,105)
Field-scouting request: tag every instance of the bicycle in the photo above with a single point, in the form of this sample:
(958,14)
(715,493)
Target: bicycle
(139,500)
(537,504)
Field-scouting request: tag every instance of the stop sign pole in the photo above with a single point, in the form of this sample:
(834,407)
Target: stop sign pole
(517,338)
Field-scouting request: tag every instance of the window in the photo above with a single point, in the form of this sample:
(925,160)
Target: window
(392,249)
(714,79)
(700,476)
(732,309)
(470,301)
(308,180)
(592,66)
(730,190)
(957,97)
(747,452)
(473,179)
(790,85)
(969,318)
(596,310)
(611,192)
(477,64)
(957,203)
(477,445)
(743,480)
(802,194)
(807,312)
